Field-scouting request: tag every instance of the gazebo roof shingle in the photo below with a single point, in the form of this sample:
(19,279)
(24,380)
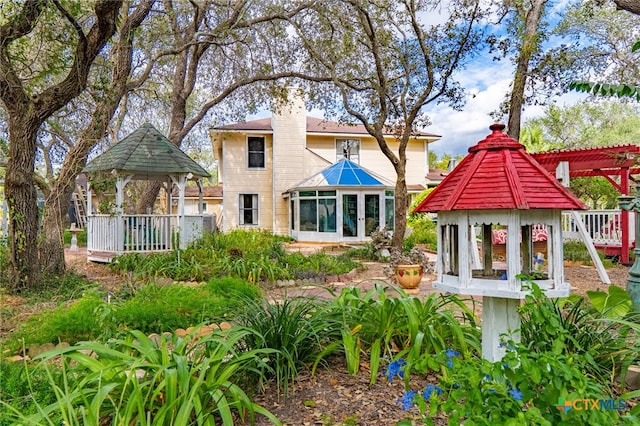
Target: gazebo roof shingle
(145,151)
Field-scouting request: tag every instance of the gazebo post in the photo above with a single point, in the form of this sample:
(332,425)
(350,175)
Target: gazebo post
(181,182)
(120,226)
(200,197)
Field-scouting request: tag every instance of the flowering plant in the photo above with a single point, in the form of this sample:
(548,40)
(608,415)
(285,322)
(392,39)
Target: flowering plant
(525,387)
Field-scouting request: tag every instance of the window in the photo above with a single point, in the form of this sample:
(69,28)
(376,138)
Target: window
(256,154)
(348,148)
(318,211)
(389,210)
(248,214)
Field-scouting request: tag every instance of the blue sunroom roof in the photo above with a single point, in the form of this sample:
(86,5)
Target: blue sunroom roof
(345,173)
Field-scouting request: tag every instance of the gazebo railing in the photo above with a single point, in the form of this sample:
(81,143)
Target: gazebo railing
(141,232)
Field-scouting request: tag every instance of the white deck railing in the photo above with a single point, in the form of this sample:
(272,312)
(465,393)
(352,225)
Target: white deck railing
(141,233)
(604,226)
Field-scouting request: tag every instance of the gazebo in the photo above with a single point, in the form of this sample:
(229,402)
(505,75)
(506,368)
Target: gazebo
(499,188)
(145,154)
(343,203)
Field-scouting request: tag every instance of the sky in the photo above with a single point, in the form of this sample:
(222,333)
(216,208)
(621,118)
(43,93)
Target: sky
(487,84)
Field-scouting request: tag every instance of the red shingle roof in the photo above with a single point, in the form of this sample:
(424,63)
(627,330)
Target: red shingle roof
(499,174)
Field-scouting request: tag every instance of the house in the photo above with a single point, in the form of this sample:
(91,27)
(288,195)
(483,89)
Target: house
(211,201)
(309,178)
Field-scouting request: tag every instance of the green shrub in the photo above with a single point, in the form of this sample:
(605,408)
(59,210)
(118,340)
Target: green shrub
(576,251)
(140,381)
(525,387)
(378,324)
(295,329)
(62,288)
(254,256)
(81,236)
(573,327)
(67,323)
(23,387)
(154,308)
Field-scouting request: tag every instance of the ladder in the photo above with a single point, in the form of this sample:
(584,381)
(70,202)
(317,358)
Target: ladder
(80,203)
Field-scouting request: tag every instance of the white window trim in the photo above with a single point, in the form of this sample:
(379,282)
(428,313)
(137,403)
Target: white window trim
(264,152)
(338,147)
(241,209)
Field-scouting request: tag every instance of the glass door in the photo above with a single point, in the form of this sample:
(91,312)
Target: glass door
(371,213)
(349,215)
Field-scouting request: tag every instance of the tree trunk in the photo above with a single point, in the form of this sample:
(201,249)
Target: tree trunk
(20,192)
(632,6)
(149,196)
(51,244)
(400,205)
(529,45)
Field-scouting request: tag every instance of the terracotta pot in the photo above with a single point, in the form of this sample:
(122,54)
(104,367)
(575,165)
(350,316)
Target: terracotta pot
(409,276)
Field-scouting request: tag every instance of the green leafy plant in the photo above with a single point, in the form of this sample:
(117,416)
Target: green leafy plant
(525,387)
(390,326)
(297,328)
(573,327)
(142,381)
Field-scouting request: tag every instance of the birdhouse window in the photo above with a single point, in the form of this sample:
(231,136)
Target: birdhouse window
(449,234)
(535,251)
(489,250)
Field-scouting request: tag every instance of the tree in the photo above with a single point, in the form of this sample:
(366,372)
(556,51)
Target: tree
(584,125)
(108,93)
(531,13)
(213,53)
(32,94)
(608,51)
(386,65)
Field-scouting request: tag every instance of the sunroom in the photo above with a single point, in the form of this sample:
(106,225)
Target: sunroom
(343,203)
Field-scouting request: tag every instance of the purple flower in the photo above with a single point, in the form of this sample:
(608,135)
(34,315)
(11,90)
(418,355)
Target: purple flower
(407,400)
(515,394)
(395,369)
(430,390)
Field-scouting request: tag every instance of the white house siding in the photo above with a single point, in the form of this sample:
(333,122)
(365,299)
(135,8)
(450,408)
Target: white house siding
(289,136)
(239,179)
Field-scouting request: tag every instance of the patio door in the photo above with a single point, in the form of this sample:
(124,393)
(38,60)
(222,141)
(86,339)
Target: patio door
(350,216)
(360,215)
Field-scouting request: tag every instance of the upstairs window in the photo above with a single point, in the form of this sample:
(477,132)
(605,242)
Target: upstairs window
(256,152)
(349,149)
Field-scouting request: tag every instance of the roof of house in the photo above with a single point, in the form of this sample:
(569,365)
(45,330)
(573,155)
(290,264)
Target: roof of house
(344,173)
(499,174)
(436,175)
(194,192)
(145,151)
(314,126)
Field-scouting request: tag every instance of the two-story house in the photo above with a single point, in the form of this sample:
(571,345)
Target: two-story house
(309,178)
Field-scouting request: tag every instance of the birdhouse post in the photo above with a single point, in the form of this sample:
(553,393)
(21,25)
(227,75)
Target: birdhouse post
(499,231)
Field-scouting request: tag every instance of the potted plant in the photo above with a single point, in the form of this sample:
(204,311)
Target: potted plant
(408,268)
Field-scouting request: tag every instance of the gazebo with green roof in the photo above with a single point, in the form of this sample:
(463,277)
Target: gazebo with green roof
(145,154)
